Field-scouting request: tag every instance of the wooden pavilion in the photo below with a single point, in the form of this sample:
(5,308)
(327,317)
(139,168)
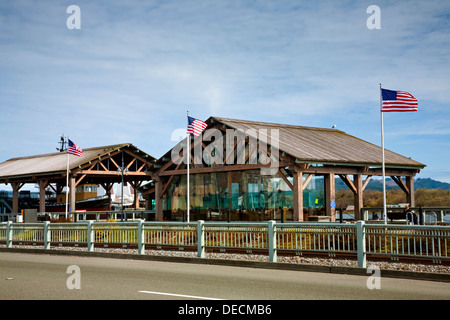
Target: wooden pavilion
(99,165)
(300,160)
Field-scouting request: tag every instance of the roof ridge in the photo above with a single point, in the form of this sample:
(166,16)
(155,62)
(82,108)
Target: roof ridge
(113,146)
(272,124)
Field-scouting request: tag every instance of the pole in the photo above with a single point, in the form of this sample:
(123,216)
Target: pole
(67,183)
(121,200)
(188,153)
(382,153)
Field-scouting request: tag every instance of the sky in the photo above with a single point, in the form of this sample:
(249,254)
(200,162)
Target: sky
(133,69)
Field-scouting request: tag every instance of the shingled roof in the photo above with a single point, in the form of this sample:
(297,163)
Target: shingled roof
(55,163)
(326,146)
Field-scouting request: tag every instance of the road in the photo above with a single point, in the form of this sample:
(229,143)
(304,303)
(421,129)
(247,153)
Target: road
(39,276)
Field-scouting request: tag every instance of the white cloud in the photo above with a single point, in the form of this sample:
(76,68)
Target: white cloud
(134,68)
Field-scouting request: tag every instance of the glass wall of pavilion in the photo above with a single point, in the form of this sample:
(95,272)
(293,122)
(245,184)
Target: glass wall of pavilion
(239,196)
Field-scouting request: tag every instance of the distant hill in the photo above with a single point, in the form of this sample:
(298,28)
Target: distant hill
(377,184)
(428,183)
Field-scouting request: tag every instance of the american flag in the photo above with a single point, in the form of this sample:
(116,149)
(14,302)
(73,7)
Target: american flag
(397,101)
(74,149)
(195,126)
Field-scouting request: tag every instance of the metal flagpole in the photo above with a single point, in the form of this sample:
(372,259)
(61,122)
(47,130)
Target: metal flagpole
(67,182)
(382,152)
(188,161)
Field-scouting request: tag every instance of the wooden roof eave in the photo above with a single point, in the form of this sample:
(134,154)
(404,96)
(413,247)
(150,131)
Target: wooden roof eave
(353,164)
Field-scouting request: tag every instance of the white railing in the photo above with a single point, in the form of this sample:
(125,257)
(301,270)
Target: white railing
(318,237)
(431,242)
(170,235)
(332,239)
(67,233)
(248,236)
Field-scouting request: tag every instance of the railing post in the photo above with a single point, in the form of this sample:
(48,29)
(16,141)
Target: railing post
(361,244)
(9,234)
(272,241)
(47,235)
(200,239)
(90,236)
(141,239)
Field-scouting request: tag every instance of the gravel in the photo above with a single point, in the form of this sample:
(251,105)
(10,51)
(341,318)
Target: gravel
(386,265)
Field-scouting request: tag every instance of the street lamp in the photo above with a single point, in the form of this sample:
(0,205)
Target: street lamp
(121,171)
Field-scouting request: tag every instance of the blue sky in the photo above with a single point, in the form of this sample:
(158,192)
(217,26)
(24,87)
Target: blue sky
(134,68)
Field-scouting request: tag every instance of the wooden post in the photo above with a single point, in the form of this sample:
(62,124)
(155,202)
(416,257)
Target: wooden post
(410,197)
(358,198)
(230,194)
(135,185)
(330,196)
(42,185)
(158,199)
(298,194)
(15,203)
(72,190)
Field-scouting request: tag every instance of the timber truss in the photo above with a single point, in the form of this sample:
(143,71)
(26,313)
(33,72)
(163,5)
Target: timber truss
(102,166)
(244,154)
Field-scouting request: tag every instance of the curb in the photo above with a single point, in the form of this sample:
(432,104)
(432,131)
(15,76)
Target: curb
(412,275)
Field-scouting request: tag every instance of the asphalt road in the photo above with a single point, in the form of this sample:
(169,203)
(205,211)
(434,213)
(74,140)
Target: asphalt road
(39,276)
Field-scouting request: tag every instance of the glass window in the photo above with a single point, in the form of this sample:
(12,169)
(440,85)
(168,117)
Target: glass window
(245,195)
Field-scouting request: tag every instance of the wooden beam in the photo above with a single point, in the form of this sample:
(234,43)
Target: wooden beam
(358,198)
(307,180)
(103,166)
(54,189)
(231,152)
(111,173)
(348,182)
(366,182)
(330,197)
(135,185)
(250,152)
(285,179)
(141,167)
(148,191)
(15,202)
(72,190)
(410,197)
(163,192)
(238,167)
(400,183)
(112,160)
(98,160)
(298,195)
(304,167)
(158,200)
(42,185)
(170,162)
(77,182)
(138,157)
(359,170)
(131,162)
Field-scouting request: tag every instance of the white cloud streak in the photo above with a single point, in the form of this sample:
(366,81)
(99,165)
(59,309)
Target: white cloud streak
(134,68)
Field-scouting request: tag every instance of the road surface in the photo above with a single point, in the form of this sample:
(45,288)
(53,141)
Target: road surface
(41,276)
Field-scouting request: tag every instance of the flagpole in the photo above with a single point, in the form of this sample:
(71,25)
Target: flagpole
(382,153)
(67,182)
(188,153)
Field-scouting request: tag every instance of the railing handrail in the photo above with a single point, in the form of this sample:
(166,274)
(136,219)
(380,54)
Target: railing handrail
(225,223)
(303,236)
